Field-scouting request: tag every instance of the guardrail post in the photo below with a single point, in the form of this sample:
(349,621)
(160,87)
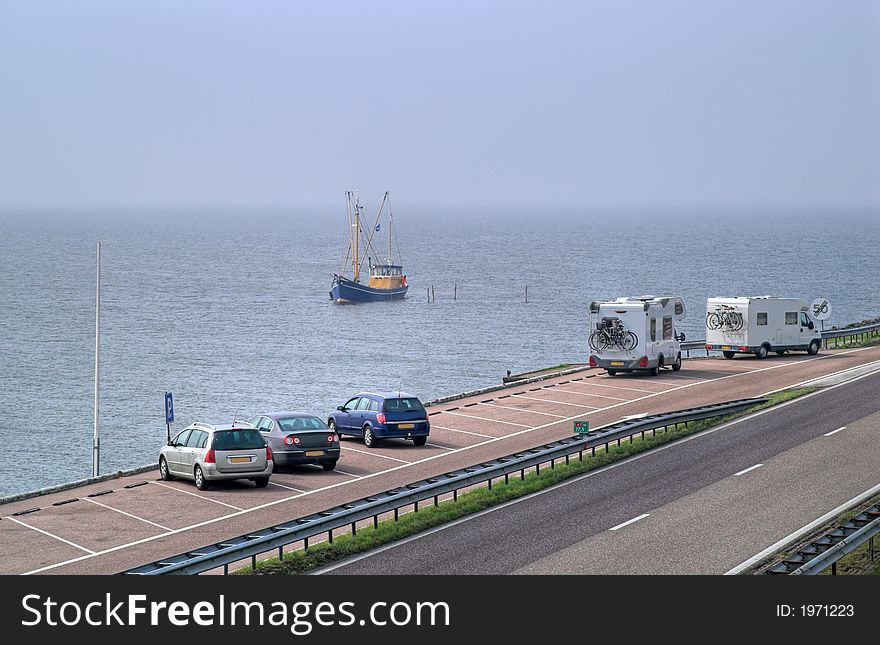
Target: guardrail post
(354,529)
(253,562)
(522,473)
(225,569)
(871,545)
(455,495)
(581,455)
(415,507)
(436,500)
(537,469)
(834,568)
(552,464)
(375,521)
(330,536)
(566,460)
(506,478)
(396,513)
(305,544)
(280,553)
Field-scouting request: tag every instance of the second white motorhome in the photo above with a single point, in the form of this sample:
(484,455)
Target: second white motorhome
(759,325)
(633,334)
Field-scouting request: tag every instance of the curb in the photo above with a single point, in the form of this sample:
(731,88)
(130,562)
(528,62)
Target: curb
(76,484)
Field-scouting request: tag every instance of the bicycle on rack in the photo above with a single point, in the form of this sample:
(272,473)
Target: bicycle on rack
(724,317)
(611,334)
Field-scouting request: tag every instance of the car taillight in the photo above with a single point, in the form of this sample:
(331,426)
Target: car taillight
(268,453)
(209,457)
(643,362)
(332,438)
(744,348)
(289,440)
(380,418)
(592,361)
(708,347)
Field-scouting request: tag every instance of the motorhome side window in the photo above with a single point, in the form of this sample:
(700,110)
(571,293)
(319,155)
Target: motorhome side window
(667,327)
(791,317)
(653,329)
(762,317)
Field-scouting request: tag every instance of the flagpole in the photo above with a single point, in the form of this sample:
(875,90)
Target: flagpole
(96,439)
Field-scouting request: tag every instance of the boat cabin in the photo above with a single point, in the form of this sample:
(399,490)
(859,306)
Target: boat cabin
(386,276)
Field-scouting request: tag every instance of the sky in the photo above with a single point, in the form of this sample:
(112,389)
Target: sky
(674,104)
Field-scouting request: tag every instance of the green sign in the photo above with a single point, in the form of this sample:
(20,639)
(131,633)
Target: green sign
(581,427)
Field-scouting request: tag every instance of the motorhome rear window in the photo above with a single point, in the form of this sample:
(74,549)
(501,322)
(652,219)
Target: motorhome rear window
(762,317)
(679,309)
(667,327)
(791,317)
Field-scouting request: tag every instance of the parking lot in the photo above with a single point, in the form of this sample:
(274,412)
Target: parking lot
(110,526)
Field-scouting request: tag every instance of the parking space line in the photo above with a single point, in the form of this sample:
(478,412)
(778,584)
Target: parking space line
(52,535)
(437,445)
(619,387)
(186,492)
(577,405)
(471,416)
(749,469)
(489,440)
(298,490)
(828,434)
(598,396)
(116,510)
(507,407)
(343,472)
(628,522)
(376,454)
(476,434)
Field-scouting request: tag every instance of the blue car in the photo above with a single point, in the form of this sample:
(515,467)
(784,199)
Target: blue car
(382,415)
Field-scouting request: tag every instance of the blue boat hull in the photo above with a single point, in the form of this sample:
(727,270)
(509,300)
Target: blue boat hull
(345,290)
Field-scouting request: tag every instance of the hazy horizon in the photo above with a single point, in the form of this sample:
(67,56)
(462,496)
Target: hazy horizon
(587,107)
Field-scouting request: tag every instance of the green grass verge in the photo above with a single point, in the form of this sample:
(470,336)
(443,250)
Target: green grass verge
(870,341)
(478,499)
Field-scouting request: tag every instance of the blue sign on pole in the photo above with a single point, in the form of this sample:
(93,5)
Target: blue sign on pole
(169,408)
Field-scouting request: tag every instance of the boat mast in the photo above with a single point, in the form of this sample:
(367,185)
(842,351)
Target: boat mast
(390,230)
(356,255)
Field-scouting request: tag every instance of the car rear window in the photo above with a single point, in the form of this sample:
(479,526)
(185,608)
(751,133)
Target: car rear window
(301,423)
(244,439)
(403,405)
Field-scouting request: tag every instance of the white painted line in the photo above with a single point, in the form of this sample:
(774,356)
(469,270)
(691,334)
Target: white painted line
(376,454)
(186,492)
(298,490)
(490,440)
(574,405)
(617,387)
(471,416)
(598,396)
(628,522)
(507,407)
(476,434)
(437,445)
(819,521)
(110,508)
(344,472)
(828,434)
(749,469)
(52,535)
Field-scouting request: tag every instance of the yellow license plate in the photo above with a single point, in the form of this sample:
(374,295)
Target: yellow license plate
(617,362)
(314,453)
(239,460)
(406,426)
(726,347)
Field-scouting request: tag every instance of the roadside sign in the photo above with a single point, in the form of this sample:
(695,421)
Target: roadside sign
(820,309)
(169,408)
(581,427)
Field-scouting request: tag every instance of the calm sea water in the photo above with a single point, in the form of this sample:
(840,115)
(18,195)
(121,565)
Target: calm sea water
(234,316)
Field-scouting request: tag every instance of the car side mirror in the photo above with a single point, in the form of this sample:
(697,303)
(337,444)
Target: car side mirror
(811,325)
(340,408)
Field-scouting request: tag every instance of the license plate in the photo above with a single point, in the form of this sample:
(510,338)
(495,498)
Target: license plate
(617,362)
(406,426)
(726,347)
(314,453)
(239,460)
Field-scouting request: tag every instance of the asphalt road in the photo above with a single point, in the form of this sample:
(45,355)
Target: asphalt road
(699,506)
(129,521)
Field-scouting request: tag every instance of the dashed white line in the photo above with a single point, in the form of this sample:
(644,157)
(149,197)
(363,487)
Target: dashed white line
(507,407)
(574,405)
(476,434)
(344,472)
(598,396)
(471,416)
(749,469)
(437,445)
(110,508)
(52,535)
(628,522)
(618,387)
(186,492)
(828,434)
(376,454)
(298,490)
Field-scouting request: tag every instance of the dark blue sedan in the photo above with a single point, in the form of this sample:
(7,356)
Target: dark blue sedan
(382,415)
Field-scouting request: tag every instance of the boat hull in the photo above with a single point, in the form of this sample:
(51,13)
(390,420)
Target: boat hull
(345,290)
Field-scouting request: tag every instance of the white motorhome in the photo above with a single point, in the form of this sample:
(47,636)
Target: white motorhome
(632,334)
(759,325)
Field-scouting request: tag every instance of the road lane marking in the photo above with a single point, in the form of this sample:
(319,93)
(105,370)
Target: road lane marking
(52,535)
(628,522)
(471,416)
(828,434)
(341,472)
(507,407)
(376,454)
(598,396)
(749,469)
(437,445)
(490,440)
(186,492)
(576,405)
(116,510)
(619,387)
(298,490)
(476,434)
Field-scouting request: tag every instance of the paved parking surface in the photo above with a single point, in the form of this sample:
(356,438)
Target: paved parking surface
(111,526)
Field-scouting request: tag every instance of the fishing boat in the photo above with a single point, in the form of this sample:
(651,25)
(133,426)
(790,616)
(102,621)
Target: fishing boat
(386,278)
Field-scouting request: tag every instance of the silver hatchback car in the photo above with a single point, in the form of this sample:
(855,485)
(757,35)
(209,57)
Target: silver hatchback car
(206,452)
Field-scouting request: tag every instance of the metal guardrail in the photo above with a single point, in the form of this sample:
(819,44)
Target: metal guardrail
(252,544)
(851,334)
(825,551)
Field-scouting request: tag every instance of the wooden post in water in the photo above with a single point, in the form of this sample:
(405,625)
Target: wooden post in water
(433,295)
(527,293)
(455,291)
(429,294)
